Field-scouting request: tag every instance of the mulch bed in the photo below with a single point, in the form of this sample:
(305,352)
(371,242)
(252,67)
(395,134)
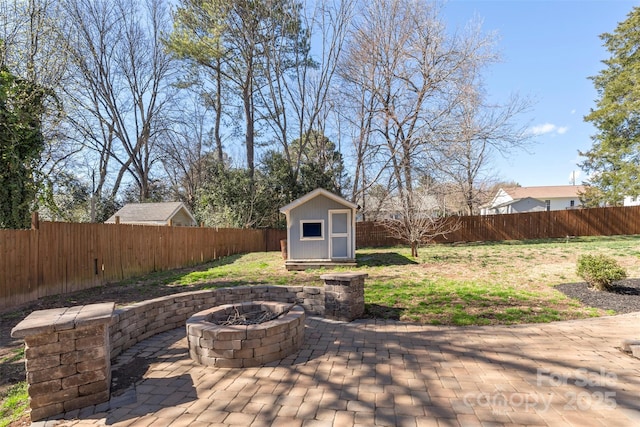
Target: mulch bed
(623,298)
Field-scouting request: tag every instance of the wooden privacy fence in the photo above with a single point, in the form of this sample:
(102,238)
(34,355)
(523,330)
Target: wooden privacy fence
(535,225)
(58,257)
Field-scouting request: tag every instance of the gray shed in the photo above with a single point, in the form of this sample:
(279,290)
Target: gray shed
(321,231)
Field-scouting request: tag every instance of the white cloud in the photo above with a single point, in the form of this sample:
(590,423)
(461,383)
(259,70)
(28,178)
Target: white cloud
(542,129)
(548,128)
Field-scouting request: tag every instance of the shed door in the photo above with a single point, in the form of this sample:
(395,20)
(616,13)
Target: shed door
(340,233)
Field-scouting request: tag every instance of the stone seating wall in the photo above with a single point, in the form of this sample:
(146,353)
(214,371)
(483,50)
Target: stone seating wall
(68,350)
(137,322)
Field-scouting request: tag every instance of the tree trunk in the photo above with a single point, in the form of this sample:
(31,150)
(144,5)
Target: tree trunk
(247,98)
(218,108)
(414,249)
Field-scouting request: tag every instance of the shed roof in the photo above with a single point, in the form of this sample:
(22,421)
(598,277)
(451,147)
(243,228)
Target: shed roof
(150,213)
(315,193)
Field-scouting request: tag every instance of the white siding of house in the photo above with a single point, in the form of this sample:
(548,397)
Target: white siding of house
(527,205)
(501,198)
(631,201)
(564,203)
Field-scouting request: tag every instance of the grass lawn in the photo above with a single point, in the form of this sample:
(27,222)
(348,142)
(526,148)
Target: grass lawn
(14,404)
(458,284)
(455,284)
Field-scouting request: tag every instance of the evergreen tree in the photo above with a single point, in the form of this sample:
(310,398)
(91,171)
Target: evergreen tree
(613,161)
(21,145)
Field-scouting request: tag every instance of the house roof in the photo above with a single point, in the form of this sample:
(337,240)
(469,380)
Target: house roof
(315,193)
(145,213)
(545,192)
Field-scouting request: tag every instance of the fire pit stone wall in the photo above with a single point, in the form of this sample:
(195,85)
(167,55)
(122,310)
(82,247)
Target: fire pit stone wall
(237,345)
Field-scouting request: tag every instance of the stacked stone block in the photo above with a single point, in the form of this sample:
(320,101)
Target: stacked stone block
(145,319)
(344,295)
(236,346)
(137,322)
(67,358)
(312,299)
(631,347)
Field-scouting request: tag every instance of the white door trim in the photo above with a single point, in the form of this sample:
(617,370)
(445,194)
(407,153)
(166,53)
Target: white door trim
(332,234)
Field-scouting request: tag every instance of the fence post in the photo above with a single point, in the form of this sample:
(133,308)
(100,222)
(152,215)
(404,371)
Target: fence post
(265,237)
(35,221)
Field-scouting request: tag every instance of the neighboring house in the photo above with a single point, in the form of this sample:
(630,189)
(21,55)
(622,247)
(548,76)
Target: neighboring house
(631,201)
(534,199)
(321,231)
(169,213)
(382,207)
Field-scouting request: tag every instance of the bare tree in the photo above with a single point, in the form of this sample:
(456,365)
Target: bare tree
(295,100)
(423,223)
(188,151)
(408,67)
(477,130)
(119,86)
(28,47)
(356,107)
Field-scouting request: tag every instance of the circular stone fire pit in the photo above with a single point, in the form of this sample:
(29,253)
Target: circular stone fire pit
(229,336)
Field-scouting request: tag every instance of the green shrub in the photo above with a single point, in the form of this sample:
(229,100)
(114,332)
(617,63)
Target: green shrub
(600,271)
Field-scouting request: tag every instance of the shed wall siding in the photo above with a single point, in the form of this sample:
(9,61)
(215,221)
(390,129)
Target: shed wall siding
(315,209)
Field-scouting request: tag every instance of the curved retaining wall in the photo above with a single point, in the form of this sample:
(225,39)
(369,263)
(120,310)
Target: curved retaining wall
(137,322)
(68,350)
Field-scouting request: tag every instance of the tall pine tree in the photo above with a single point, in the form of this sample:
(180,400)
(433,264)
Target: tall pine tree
(613,161)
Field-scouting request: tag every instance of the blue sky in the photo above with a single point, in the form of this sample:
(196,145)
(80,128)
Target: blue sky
(549,48)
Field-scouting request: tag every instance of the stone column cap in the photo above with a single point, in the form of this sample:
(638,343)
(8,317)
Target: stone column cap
(61,319)
(347,275)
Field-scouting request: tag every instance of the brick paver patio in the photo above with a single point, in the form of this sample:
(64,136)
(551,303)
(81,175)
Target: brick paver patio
(387,373)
